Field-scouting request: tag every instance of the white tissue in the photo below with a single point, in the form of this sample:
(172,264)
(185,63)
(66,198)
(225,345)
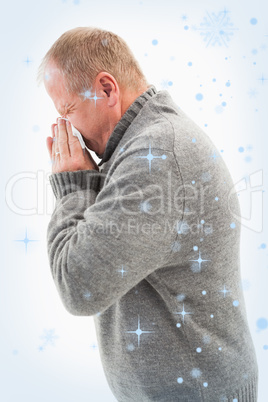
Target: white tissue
(77,134)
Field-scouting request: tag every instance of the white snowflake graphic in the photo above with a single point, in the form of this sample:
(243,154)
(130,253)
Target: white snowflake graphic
(244,284)
(48,337)
(216,28)
(165,84)
(252,93)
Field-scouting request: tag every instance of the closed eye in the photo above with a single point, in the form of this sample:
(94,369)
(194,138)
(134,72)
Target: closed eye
(66,113)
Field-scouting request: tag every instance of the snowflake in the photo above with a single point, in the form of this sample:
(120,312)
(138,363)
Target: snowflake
(206,176)
(49,337)
(252,93)
(165,84)
(180,297)
(87,295)
(145,206)
(216,28)
(182,227)
(208,230)
(196,372)
(244,284)
(206,338)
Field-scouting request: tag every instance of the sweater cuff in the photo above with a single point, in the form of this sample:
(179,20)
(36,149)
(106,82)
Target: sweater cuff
(63,183)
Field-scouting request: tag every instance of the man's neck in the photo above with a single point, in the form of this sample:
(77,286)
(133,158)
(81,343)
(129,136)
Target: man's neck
(127,100)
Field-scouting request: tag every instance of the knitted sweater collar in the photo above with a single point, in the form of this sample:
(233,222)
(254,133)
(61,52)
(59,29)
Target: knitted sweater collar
(125,122)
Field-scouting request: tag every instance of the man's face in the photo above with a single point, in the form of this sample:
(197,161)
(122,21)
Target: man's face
(85,114)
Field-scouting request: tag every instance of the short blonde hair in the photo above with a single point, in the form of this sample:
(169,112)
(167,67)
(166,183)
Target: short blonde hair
(83,52)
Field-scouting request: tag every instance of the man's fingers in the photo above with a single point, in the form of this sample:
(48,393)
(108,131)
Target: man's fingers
(62,139)
(55,143)
(74,143)
(49,146)
(53,129)
(50,141)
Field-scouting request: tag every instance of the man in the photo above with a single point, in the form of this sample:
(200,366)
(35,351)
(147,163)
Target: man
(147,241)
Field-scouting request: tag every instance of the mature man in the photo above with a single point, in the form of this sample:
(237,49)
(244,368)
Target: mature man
(148,240)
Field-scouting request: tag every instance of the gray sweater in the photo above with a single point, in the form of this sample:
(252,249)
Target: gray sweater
(149,246)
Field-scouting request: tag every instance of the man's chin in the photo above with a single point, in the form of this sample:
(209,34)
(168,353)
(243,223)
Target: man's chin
(89,148)
(87,145)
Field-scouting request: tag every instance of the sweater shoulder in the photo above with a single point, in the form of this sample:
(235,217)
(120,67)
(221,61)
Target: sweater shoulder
(162,122)
(152,129)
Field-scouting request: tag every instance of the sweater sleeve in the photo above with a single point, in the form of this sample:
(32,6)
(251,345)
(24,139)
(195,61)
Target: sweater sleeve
(102,243)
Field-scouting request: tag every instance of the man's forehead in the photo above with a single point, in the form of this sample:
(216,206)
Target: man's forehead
(51,69)
(56,89)
(54,80)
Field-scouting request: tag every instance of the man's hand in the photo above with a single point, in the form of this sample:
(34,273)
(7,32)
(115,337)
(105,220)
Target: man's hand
(70,156)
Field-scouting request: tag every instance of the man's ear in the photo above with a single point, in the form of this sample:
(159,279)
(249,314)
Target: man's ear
(108,85)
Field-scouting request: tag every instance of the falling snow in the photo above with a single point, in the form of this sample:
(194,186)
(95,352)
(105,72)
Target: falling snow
(216,29)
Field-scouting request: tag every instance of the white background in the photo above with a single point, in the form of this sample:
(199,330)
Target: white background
(66,366)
